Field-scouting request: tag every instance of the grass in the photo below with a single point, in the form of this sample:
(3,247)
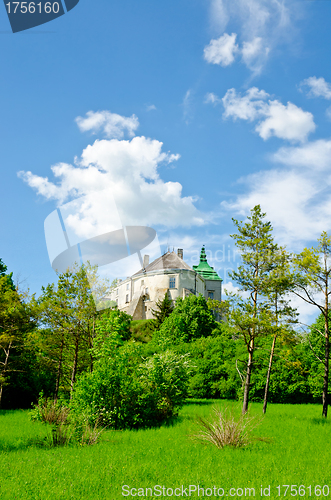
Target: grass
(299,454)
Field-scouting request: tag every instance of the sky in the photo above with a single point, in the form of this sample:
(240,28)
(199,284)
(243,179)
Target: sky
(175,115)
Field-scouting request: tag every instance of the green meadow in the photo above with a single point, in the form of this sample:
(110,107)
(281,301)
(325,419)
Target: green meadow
(298,452)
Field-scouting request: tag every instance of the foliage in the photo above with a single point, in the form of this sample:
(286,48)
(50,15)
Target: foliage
(111,330)
(219,309)
(65,426)
(68,315)
(251,316)
(312,282)
(227,430)
(16,320)
(127,391)
(214,372)
(163,310)
(142,330)
(191,319)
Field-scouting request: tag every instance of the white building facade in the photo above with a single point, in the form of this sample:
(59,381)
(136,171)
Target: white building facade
(138,294)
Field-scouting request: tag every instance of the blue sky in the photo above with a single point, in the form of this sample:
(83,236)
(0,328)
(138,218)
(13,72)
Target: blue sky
(191,112)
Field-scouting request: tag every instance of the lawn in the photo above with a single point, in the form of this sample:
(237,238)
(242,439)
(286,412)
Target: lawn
(299,454)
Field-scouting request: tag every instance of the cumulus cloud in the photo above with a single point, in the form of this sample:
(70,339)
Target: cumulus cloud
(122,171)
(274,118)
(297,203)
(222,51)
(261,25)
(318,87)
(111,124)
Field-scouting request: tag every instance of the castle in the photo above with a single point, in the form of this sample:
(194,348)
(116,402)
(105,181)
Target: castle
(138,294)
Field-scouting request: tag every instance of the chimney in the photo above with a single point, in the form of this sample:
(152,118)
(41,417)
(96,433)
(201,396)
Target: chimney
(180,253)
(146,261)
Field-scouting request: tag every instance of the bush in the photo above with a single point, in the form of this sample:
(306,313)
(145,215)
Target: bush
(129,392)
(142,330)
(65,427)
(191,319)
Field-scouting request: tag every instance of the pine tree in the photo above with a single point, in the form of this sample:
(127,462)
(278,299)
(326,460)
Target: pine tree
(251,317)
(164,309)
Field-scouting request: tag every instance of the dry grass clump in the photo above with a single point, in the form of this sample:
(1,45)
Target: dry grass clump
(227,430)
(90,435)
(64,427)
(51,412)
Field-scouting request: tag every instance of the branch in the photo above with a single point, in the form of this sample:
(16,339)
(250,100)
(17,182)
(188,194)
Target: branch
(310,301)
(240,374)
(311,347)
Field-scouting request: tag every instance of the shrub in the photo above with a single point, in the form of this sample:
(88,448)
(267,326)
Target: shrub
(127,391)
(191,319)
(227,430)
(142,330)
(65,427)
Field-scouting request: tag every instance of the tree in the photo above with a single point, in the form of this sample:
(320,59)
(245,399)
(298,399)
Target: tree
(312,283)
(163,311)
(258,251)
(279,283)
(9,277)
(68,311)
(15,322)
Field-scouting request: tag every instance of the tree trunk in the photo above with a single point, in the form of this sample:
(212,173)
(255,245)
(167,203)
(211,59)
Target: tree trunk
(326,369)
(248,376)
(59,370)
(5,364)
(268,375)
(74,367)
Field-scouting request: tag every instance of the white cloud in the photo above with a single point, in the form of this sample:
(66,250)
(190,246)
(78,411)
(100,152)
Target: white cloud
(260,24)
(250,106)
(111,124)
(212,98)
(151,107)
(274,119)
(315,155)
(254,53)
(126,171)
(318,87)
(221,51)
(297,202)
(187,106)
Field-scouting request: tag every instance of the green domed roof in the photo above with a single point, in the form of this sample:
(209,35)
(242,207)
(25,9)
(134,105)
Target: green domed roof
(204,269)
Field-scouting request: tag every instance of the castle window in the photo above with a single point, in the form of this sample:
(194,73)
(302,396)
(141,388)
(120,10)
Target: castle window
(142,282)
(172,282)
(117,291)
(127,298)
(146,291)
(127,286)
(210,295)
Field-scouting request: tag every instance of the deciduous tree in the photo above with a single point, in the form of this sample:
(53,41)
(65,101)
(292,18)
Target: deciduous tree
(312,280)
